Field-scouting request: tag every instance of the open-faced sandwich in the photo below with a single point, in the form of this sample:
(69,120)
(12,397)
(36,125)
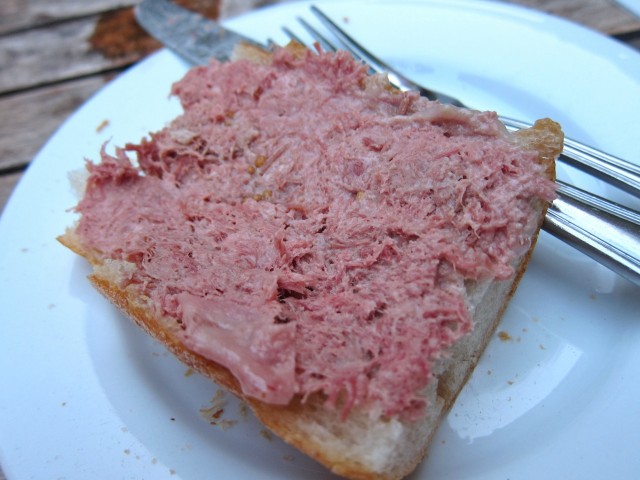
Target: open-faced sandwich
(333,251)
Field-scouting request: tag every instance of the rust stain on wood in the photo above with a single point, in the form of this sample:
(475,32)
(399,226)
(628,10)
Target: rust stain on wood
(208,8)
(118,35)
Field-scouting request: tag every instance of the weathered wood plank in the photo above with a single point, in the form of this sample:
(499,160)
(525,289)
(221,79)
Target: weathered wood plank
(20,14)
(603,15)
(28,119)
(7,184)
(71,49)
(16,15)
(79,46)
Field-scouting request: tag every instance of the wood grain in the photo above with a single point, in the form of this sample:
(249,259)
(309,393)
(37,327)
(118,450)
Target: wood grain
(62,48)
(8,183)
(55,54)
(64,51)
(605,16)
(17,15)
(28,119)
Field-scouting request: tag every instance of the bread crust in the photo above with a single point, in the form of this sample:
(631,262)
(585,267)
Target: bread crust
(348,448)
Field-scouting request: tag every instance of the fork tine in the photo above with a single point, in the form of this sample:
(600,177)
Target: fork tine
(292,35)
(321,39)
(346,42)
(271,44)
(375,64)
(328,46)
(359,51)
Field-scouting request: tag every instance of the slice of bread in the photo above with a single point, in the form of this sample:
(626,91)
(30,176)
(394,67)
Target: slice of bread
(356,431)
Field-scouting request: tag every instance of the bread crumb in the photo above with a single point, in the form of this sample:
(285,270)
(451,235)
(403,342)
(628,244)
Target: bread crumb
(104,124)
(504,336)
(214,413)
(127,451)
(226,424)
(489,372)
(542,347)
(243,410)
(510,382)
(190,371)
(266,434)
(172,471)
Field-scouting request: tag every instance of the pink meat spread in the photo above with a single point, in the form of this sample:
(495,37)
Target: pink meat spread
(311,229)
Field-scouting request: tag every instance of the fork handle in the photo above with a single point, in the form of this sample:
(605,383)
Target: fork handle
(613,234)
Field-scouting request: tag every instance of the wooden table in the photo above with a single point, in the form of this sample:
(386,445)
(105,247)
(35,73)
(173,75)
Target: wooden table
(55,54)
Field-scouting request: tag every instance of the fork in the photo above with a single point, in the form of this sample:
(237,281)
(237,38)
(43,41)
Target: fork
(604,230)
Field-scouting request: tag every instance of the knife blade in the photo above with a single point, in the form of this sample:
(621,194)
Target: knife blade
(195,38)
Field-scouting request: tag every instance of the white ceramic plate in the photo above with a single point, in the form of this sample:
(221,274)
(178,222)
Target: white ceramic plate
(84,394)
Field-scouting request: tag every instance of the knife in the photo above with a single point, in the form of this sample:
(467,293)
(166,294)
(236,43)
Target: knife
(195,38)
